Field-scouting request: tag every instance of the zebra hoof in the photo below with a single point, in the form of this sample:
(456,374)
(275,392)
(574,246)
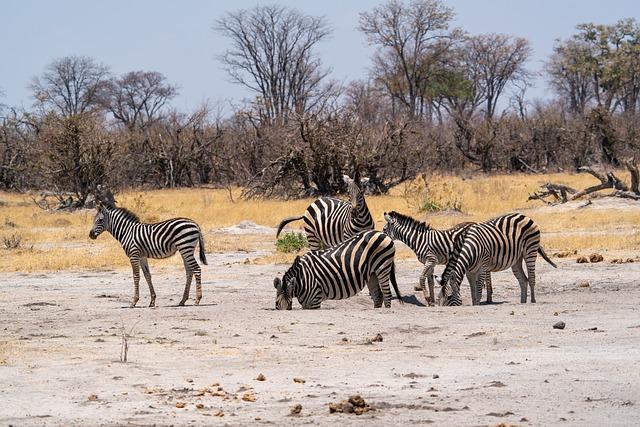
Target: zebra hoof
(377,305)
(181,303)
(197,302)
(387,305)
(152,304)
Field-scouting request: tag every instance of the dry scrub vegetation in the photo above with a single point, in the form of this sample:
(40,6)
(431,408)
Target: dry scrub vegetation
(59,240)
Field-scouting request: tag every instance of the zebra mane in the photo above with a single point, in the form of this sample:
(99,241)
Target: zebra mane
(455,254)
(405,220)
(127,214)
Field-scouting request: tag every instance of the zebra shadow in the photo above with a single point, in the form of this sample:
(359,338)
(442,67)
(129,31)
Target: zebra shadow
(413,300)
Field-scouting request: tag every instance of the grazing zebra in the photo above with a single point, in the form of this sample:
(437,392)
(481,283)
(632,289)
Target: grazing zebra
(160,240)
(329,221)
(341,272)
(432,247)
(490,246)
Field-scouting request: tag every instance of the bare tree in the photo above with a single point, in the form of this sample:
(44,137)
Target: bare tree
(412,37)
(136,99)
(499,61)
(71,85)
(570,74)
(272,55)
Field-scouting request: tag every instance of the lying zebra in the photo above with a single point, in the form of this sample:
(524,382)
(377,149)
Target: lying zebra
(161,240)
(329,221)
(432,247)
(491,246)
(341,272)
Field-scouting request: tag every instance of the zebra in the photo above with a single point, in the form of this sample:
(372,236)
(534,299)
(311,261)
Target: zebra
(160,240)
(495,245)
(341,272)
(329,221)
(432,247)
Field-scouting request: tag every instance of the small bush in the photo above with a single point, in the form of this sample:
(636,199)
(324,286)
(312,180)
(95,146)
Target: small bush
(12,242)
(291,242)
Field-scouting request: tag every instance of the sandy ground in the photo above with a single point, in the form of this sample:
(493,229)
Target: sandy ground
(60,347)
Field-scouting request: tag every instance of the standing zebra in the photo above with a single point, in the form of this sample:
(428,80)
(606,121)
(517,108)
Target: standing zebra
(341,272)
(160,240)
(432,247)
(329,221)
(490,246)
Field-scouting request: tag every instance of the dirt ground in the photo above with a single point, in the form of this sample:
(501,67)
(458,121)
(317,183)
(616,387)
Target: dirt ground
(61,342)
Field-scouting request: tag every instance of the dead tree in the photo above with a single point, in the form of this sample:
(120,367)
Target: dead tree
(561,193)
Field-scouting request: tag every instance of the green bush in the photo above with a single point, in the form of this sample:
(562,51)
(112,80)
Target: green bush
(291,242)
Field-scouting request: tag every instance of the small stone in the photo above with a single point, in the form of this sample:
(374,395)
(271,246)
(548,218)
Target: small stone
(220,413)
(595,257)
(333,407)
(180,404)
(199,406)
(347,407)
(92,397)
(189,380)
(261,377)
(296,409)
(345,339)
(377,338)
(582,260)
(436,376)
(559,325)
(583,284)
(512,313)
(555,313)
(299,380)
(249,397)
(357,400)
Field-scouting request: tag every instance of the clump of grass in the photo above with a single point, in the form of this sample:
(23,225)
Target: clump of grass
(291,242)
(432,196)
(9,224)
(13,241)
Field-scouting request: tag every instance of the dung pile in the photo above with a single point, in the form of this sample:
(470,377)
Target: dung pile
(354,405)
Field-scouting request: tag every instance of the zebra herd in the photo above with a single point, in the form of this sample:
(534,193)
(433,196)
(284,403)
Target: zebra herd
(346,253)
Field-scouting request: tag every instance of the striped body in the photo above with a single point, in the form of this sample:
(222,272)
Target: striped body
(141,241)
(340,272)
(329,221)
(500,243)
(432,247)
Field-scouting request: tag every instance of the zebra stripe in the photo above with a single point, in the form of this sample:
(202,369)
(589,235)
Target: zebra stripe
(329,221)
(432,247)
(500,243)
(160,240)
(341,272)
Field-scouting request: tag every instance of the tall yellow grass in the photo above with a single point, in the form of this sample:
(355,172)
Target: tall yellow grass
(59,240)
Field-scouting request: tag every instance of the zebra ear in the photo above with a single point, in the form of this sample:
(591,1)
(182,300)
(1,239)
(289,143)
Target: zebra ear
(347,179)
(387,217)
(277,283)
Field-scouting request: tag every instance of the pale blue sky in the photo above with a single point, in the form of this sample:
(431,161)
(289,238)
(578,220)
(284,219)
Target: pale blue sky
(176,38)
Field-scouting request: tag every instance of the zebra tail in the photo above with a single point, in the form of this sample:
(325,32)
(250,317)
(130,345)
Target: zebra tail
(203,257)
(546,258)
(394,283)
(287,221)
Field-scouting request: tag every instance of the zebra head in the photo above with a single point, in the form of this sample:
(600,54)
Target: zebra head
(448,296)
(285,288)
(99,221)
(390,227)
(355,187)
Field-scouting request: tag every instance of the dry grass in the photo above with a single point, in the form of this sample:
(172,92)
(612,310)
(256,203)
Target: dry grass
(59,240)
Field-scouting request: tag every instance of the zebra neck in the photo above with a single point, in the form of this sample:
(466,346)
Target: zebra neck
(416,240)
(122,230)
(360,212)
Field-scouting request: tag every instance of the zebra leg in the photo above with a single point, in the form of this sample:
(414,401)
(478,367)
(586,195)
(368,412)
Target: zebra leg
(188,260)
(147,275)
(473,285)
(489,287)
(374,291)
(197,274)
(383,274)
(135,266)
(531,270)
(522,280)
(428,274)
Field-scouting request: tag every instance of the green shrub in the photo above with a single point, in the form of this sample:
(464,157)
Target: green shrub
(291,242)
